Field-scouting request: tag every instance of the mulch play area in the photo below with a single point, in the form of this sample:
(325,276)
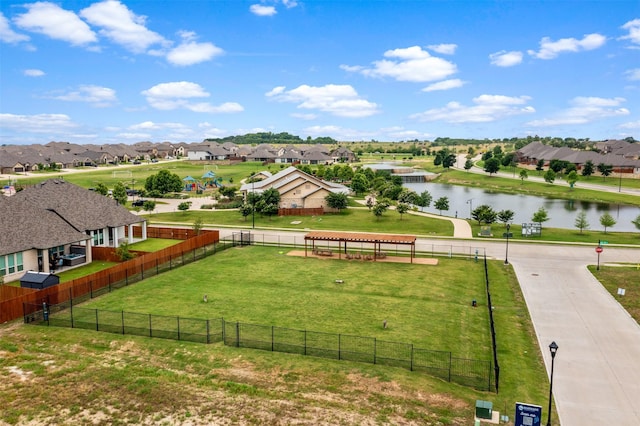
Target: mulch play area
(363,258)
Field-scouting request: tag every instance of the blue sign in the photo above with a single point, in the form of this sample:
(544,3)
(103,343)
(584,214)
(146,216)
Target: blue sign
(528,415)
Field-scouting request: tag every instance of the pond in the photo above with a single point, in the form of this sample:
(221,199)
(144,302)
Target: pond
(562,213)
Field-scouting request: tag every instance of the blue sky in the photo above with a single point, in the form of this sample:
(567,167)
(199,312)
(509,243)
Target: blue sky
(181,71)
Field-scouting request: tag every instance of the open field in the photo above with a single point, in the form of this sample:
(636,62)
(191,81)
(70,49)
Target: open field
(622,276)
(151,381)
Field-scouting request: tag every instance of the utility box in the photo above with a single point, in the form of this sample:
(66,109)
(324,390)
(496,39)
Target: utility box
(484,409)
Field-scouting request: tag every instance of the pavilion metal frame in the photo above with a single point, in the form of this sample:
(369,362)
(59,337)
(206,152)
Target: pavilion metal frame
(356,237)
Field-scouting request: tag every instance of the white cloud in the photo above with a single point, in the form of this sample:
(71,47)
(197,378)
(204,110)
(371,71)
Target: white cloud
(96,95)
(304,116)
(260,10)
(38,123)
(53,21)
(121,25)
(339,100)
(551,49)
(633,74)
(445,49)
(411,64)
(506,59)
(289,3)
(134,136)
(444,85)
(634,31)
(7,34)
(33,73)
(190,52)
(631,125)
(584,110)
(177,95)
(487,108)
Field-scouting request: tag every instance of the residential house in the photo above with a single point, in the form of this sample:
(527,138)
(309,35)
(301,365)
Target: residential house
(343,155)
(297,189)
(58,221)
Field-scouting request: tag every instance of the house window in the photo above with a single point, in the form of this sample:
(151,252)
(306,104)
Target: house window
(11,263)
(98,237)
(57,251)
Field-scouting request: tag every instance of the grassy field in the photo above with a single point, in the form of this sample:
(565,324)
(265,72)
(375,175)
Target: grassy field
(352,219)
(138,380)
(626,277)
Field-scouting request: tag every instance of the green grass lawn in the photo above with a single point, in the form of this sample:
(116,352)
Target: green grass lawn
(153,244)
(353,219)
(429,306)
(626,277)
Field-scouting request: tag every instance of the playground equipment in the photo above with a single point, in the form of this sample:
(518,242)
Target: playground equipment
(211,180)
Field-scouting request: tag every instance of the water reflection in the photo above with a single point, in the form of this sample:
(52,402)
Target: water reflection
(562,213)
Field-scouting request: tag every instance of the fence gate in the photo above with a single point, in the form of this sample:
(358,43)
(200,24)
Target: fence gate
(242,238)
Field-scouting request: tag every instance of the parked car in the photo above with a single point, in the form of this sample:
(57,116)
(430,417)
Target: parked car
(138,203)
(137,162)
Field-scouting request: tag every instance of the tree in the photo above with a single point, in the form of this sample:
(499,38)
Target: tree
(359,184)
(228,191)
(149,206)
(370,201)
(506,216)
(572,178)
(197,225)
(540,165)
(380,207)
(636,222)
(484,213)
(424,199)
(269,210)
(120,193)
(523,175)
(581,221)
(607,221)
(245,210)
(102,189)
(491,166)
(588,168)
(442,203)
(557,165)
(605,170)
(549,176)
(541,215)
(337,200)
(163,182)
(271,196)
(184,206)
(407,196)
(123,252)
(402,208)
(468,164)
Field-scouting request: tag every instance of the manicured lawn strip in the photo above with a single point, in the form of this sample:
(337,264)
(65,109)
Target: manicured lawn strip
(353,219)
(424,305)
(82,271)
(626,277)
(513,186)
(153,244)
(561,235)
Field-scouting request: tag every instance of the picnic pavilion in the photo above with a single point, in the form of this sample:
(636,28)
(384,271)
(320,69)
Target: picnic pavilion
(344,238)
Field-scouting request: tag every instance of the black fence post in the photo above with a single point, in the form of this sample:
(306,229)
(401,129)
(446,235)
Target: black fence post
(150,328)
(142,271)
(339,347)
(411,357)
(375,349)
(97,321)
(178,323)
(157,266)
(71,309)
(305,342)
(208,338)
(126,276)
(497,378)
(237,334)
(122,322)
(91,289)
(272,338)
(449,366)
(110,283)
(224,331)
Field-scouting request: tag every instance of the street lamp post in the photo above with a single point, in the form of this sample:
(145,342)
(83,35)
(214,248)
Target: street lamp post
(553,348)
(506,254)
(470,202)
(253,203)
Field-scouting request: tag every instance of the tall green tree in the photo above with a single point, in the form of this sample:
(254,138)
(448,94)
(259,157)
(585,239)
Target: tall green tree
(572,178)
(102,189)
(506,216)
(402,208)
(540,165)
(581,221)
(605,170)
(484,214)
(607,221)
(424,199)
(588,168)
(523,175)
(491,166)
(540,216)
(549,176)
(441,204)
(337,200)
(120,193)
(163,182)
(468,164)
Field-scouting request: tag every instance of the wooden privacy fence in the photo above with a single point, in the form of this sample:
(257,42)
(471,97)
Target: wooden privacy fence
(133,269)
(301,212)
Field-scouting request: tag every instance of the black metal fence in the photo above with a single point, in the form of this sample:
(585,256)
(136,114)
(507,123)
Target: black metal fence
(496,366)
(442,364)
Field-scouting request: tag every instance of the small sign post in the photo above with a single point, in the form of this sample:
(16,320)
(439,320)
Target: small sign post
(528,414)
(598,250)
